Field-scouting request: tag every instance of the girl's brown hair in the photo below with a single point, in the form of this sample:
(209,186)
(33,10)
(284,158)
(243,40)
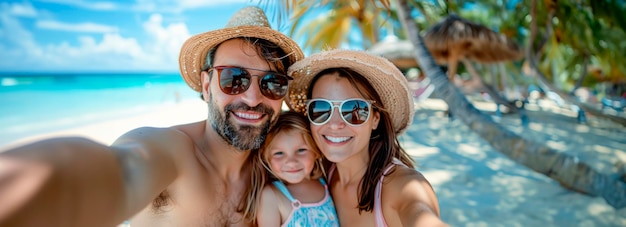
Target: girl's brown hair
(383,146)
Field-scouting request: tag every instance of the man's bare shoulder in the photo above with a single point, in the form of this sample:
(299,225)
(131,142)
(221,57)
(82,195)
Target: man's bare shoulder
(153,138)
(195,131)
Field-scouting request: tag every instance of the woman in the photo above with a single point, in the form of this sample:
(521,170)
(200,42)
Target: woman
(372,180)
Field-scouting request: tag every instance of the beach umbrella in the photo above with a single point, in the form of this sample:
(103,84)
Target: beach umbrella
(455,39)
(399,52)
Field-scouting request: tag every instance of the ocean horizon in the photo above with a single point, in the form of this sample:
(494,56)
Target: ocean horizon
(36,103)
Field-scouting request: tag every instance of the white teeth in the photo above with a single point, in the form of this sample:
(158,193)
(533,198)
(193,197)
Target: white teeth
(337,139)
(248,116)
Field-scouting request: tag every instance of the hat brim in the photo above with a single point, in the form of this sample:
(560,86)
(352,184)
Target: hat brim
(385,78)
(194,50)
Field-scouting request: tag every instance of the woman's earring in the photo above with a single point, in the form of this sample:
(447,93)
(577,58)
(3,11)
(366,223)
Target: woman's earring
(374,136)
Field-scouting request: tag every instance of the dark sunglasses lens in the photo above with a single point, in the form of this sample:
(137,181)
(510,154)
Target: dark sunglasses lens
(319,111)
(234,80)
(355,112)
(274,86)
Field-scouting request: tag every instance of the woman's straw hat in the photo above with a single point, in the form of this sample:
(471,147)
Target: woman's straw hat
(247,22)
(387,80)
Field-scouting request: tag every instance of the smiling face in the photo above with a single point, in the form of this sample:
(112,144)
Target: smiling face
(337,140)
(244,119)
(290,159)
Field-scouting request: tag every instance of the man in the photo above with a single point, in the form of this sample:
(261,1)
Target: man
(185,175)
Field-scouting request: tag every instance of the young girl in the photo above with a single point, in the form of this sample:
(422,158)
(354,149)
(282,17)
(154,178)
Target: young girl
(297,194)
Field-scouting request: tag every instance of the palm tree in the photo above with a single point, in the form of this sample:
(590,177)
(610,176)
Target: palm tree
(579,38)
(333,27)
(564,168)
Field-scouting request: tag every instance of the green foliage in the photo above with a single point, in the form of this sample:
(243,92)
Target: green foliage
(574,28)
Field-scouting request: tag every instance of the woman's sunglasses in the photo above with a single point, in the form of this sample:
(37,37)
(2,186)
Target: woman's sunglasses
(355,112)
(236,80)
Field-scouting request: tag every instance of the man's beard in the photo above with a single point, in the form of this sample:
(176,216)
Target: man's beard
(244,137)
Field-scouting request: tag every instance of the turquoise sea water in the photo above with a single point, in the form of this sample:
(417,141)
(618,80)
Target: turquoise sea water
(38,103)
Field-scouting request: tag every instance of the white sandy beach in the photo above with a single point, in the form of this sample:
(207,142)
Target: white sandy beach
(476,185)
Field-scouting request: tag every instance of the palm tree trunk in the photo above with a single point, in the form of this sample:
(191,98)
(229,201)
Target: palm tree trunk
(583,73)
(497,98)
(562,167)
(503,79)
(493,73)
(533,34)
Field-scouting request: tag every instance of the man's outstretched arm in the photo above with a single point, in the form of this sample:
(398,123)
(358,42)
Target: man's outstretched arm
(78,182)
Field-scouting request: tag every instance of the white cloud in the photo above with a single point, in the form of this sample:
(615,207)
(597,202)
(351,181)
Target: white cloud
(21,10)
(114,52)
(18,46)
(108,51)
(13,32)
(80,27)
(100,6)
(165,41)
(111,44)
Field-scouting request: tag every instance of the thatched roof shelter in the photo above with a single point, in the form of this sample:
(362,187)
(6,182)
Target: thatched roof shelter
(470,40)
(456,38)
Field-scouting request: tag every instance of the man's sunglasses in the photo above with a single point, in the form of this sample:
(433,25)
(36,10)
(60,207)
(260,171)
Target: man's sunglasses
(355,112)
(236,80)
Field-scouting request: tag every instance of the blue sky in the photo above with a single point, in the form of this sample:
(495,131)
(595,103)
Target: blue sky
(122,36)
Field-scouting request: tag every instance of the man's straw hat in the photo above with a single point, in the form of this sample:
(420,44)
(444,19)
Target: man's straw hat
(247,22)
(387,80)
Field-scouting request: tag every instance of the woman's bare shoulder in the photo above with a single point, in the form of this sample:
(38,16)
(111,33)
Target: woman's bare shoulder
(407,184)
(403,174)
(412,197)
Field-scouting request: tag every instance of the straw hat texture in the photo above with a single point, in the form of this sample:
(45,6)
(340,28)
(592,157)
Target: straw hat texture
(247,22)
(385,78)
